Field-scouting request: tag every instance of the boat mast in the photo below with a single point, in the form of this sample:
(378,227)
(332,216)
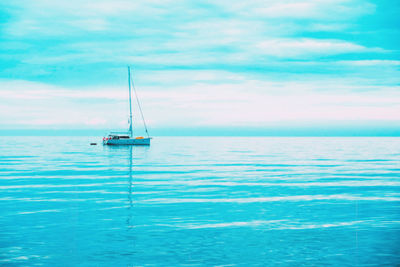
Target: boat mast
(130,103)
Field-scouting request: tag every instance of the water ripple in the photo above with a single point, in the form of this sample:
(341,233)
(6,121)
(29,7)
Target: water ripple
(200,201)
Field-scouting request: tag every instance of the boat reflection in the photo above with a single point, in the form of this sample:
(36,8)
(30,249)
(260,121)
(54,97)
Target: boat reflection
(130,209)
(127,152)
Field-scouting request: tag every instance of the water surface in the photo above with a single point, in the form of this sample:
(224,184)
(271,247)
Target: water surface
(200,201)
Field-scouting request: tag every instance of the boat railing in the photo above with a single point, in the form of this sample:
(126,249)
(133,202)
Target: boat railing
(119,133)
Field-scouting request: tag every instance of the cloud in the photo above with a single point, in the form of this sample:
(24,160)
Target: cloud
(316,9)
(242,103)
(178,33)
(295,9)
(371,63)
(308,47)
(209,63)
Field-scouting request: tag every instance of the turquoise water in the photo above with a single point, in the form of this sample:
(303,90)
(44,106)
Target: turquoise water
(200,201)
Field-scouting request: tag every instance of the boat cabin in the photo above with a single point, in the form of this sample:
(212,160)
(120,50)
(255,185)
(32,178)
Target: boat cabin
(113,136)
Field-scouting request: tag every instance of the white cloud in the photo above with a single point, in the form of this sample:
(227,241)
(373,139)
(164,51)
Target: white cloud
(308,47)
(242,103)
(290,9)
(328,27)
(289,84)
(371,63)
(95,24)
(181,32)
(300,9)
(205,50)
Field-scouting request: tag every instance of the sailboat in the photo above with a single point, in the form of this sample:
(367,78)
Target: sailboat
(127,138)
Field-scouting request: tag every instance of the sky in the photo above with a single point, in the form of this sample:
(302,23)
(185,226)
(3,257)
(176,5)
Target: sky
(202,66)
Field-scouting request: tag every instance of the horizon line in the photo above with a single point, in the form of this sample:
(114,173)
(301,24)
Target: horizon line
(370,131)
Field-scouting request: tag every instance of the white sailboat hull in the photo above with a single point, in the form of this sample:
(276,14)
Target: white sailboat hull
(128,141)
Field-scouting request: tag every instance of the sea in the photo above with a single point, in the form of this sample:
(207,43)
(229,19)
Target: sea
(200,201)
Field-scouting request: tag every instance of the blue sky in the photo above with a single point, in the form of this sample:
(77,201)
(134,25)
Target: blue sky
(200,64)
